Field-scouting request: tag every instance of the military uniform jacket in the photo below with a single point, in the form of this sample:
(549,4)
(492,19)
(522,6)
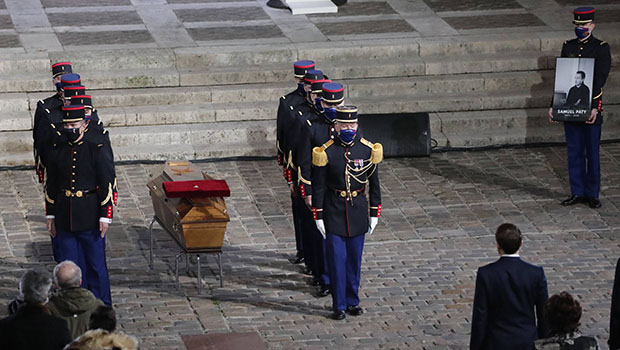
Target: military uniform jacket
(287,104)
(315,130)
(79,188)
(599,50)
(344,175)
(46,117)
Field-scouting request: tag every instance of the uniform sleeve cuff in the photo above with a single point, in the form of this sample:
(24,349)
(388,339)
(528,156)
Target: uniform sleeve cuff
(50,217)
(106,220)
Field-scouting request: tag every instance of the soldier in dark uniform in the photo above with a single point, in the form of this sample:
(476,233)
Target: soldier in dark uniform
(346,169)
(50,105)
(583,139)
(287,104)
(79,199)
(579,94)
(91,117)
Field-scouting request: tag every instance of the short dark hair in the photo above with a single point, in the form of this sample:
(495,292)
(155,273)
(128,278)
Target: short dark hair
(508,236)
(583,74)
(563,313)
(104,317)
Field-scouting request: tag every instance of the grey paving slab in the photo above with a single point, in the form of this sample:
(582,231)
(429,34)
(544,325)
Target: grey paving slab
(104,38)
(364,27)
(232,33)
(221,14)
(471,5)
(418,271)
(80,19)
(494,21)
(360,8)
(83,3)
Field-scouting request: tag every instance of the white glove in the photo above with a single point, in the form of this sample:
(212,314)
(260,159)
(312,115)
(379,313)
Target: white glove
(321,226)
(373,223)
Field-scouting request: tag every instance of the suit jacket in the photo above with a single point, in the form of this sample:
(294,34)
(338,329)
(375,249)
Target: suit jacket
(508,305)
(32,327)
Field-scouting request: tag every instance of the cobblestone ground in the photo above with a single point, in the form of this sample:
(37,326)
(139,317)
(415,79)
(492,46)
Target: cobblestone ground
(418,270)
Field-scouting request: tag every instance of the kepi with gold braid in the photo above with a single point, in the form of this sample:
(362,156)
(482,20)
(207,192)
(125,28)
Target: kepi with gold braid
(73,113)
(346,114)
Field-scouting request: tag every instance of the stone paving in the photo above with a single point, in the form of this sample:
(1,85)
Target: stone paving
(56,25)
(419,266)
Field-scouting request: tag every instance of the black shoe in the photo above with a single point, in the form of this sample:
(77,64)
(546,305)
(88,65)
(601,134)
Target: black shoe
(277,4)
(323,292)
(338,315)
(594,203)
(313,281)
(354,310)
(297,260)
(572,200)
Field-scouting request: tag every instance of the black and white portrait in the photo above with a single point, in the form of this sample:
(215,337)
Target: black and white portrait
(572,93)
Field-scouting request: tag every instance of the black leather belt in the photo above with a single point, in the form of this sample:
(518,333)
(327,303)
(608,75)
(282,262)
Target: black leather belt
(343,193)
(78,193)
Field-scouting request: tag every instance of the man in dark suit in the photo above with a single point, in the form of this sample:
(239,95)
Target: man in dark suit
(509,299)
(579,94)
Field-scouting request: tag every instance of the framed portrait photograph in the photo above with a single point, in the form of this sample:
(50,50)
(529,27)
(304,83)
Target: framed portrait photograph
(572,93)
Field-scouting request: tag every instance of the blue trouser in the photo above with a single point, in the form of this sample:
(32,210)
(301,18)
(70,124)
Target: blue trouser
(582,145)
(344,257)
(87,250)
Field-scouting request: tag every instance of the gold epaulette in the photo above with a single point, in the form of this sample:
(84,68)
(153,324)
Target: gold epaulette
(376,153)
(319,157)
(366,142)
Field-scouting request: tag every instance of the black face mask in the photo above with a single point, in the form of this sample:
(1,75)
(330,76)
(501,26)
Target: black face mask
(71,134)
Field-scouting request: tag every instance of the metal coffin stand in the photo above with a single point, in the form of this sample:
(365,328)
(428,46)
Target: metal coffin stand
(196,223)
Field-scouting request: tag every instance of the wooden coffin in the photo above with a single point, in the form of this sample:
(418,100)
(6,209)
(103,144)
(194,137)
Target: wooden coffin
(195,222)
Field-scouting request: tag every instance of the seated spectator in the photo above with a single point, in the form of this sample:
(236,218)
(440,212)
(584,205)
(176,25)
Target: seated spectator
(70,302)
(563,314)
(32,326)
(102,334)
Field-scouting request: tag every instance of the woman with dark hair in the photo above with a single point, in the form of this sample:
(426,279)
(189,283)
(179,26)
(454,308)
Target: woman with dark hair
(563,315)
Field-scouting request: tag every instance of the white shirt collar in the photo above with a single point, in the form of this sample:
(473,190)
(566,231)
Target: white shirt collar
(515,255)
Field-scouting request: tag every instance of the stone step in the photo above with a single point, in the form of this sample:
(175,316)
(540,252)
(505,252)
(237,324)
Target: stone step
(187,114)
(35,62)
(15,120)
(116,60)
(509,127)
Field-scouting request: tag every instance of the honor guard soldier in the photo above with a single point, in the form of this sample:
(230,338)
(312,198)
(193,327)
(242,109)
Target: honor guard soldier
(292,139)
(287,104)
(50,105)
(79,199)
(583,139)
(316,128)
(95,126)
(346,169)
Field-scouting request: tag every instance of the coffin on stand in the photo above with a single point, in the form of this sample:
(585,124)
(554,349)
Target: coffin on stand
(189,205)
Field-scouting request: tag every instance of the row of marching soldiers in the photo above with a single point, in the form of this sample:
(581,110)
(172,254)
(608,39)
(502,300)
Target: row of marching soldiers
(333,176)
(75,163)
